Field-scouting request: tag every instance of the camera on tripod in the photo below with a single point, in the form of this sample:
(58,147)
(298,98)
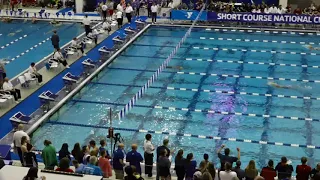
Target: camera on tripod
(116,136)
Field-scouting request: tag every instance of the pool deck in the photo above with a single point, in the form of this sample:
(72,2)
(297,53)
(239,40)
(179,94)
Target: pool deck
(47,76)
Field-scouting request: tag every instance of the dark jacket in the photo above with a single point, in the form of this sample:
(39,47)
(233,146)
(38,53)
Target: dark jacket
(55,39)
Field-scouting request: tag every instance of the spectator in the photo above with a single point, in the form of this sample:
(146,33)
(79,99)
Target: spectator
(77,45)
(240,172)
(64,165)
(315,171)
(104,9)
(135,174)
(303,171)
(3,71)
(55,40)
(154,10)
(226,158)
(33,71)
(77,153)
(86,22)
(190,166)
(207,176)
(58,57)
(17,136)
(148,155)
(86,154)
(29,157)
(95,150)
(268,172)
(202,167)
(164,146)
(91,167)
(33,174)
(49,155)
(7,86)
(130,175)
(282,10)
(128,12)
(105,165)
(119,7)
(64,152)
(118,163)
(227,174)
(164,165)
(119,17)
(297,11)
(259,178)
(197,175)
(251,171)
(103,147)
(211,170)
(134,158)
(179,162)
(284,169)
(78,167)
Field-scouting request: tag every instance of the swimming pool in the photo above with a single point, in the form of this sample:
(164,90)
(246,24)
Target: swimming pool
(227,75)
(23,42)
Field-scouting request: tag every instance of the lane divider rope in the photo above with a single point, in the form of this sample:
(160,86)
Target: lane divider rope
(28,50)
(155,76)
(191,135)
(256,40)
(215,91)
(203,111)
(255,50)
(265,31)
(12,42)
(230,61)
(224,75)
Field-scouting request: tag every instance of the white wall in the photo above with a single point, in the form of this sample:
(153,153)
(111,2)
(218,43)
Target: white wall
(79,6)
(284,3)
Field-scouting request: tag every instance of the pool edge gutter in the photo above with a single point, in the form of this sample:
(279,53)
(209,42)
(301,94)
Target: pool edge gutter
(83,83)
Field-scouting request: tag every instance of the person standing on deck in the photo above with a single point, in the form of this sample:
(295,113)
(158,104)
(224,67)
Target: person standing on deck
(55,40)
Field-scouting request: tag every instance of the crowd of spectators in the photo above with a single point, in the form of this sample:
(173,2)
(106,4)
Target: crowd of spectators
(94,160)
(218,6)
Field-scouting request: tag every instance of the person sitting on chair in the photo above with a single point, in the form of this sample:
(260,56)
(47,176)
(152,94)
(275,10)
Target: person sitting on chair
(106,26)
(33,70)
(7,86)
(77,45)
(58,57)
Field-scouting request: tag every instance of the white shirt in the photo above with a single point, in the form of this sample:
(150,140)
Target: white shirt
(266,10)
(105,25)
(32,70)
(148,147)
(227,175)
(256,11)
(86,21)
(7,86)
(282,11)
(17,137)
(154,8)
(273,10)
(129,9)
(170,5)
(58,55)
(74,43)
(119,15)
(104,7)
(119,8)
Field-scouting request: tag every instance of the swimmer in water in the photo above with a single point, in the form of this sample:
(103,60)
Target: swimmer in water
(34,20)
(175,67)
(301,89)
(6,20)
(310,47)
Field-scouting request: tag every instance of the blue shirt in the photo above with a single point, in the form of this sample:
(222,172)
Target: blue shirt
(92,170)
(80,169)
(190,168)
(117,155)
(134,158)
(104,149)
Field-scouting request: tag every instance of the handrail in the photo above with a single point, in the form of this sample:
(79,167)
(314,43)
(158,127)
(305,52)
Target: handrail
(83,83)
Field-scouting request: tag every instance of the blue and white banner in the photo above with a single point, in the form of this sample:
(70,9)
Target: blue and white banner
(187,15)
(267,18)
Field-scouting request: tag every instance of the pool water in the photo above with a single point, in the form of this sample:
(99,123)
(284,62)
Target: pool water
(204,89)
(21,36)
